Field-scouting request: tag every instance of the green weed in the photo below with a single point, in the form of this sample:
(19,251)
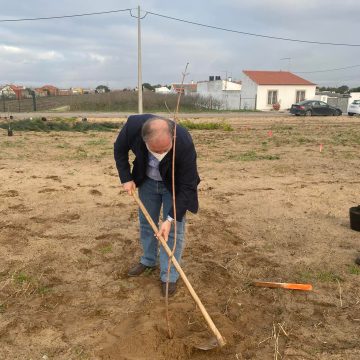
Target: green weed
(60,125)
(206,125)
(354,269)
(97,142)
(253,156)
(106,249)
(21,277)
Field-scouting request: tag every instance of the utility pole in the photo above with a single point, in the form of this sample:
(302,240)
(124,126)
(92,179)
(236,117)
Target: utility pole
(140,98)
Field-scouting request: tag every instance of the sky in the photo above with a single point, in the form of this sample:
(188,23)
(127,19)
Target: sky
(102,49)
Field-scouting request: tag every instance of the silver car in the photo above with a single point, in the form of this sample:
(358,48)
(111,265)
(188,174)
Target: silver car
(354,108)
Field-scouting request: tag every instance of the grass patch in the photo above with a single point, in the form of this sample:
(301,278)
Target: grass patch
(43,290)
(304,140)
(354,269)
(12,144)
(325,276)
(346,138)
(97,142)
(253,156)
(21,277)
(281,127)
(2,308)
(206,125)
(60,125)
(106,249)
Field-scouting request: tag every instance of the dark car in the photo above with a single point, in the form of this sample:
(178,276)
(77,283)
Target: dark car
(314,107)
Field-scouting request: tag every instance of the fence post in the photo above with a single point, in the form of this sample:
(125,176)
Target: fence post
(34,100)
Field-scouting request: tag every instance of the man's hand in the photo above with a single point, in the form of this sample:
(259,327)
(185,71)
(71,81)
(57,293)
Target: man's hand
(164,230)
(130,187)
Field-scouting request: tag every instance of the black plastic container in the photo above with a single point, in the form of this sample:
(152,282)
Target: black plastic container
(355,218)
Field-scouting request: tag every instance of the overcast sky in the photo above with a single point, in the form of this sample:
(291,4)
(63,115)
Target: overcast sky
(102,49)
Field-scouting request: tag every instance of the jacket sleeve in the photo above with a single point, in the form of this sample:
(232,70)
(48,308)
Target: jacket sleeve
(121,155)
(186,182)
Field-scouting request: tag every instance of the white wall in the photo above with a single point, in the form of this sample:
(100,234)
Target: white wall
(226,92)
(248,93)
(354,96)
(286,95)
(162,90)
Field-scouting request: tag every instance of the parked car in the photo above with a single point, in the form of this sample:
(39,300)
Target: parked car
(354,108)
(314,107)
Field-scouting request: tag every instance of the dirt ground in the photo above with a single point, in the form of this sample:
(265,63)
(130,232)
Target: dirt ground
(273,208)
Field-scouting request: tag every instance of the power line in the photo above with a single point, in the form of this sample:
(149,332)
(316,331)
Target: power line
(321,71)
(187,22)
(66,16)
(251,34)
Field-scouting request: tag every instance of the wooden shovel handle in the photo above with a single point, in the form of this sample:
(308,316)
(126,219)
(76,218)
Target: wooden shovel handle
(198,302)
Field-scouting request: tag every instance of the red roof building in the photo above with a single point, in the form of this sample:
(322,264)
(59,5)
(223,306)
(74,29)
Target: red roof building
(276,78)
(269,90)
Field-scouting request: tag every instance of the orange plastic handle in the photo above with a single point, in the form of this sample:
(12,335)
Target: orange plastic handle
(303,287)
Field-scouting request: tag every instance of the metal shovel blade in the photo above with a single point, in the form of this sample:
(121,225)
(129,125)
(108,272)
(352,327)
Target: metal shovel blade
(208,344)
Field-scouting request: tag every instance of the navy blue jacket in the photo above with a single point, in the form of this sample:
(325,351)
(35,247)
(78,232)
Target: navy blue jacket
(186,175)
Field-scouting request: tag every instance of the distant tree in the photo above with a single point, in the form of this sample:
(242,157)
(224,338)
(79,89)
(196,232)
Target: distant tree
(356,89)
(102,89)
(343,89)
(148,86)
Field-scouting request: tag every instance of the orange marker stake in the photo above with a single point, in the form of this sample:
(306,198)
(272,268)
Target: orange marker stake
(270,133)
(321,147)
(290,286)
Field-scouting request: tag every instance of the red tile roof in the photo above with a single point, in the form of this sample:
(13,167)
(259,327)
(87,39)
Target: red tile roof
(276,78)
(190,87)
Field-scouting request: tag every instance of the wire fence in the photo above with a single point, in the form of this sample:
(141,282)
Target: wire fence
(111,101)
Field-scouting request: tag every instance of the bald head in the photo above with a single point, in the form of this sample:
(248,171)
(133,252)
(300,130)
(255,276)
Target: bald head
(157,134)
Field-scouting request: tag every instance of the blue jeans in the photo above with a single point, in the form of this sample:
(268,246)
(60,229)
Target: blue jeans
(153,194)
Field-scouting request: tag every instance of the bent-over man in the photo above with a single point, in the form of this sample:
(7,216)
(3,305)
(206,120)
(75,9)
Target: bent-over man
(150,138)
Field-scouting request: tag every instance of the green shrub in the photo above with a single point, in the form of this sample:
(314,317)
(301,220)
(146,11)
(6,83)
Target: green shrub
(205,125)
(60,125)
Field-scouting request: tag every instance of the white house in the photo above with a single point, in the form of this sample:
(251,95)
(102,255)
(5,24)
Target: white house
(225,92)
(162,90)
(262,89)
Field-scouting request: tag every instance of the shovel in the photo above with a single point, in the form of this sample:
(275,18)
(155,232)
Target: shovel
(219,341)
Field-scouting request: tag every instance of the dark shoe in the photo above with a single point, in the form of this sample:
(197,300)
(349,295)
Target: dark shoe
(172,289)
(357,260)
(139,268)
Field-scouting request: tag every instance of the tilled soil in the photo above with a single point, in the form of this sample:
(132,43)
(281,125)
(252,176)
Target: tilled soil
(273,208)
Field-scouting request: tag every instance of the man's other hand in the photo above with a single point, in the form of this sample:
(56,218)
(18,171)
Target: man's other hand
(130,187)
(164,230)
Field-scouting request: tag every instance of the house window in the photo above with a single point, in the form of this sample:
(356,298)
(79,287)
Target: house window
(272,97)
(300,95)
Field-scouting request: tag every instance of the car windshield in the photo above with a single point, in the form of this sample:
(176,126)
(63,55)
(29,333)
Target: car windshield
(356,102)
(303,102)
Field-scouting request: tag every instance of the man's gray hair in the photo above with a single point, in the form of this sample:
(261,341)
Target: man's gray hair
(148,133)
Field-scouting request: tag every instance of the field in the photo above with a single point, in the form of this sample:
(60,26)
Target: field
(273,208)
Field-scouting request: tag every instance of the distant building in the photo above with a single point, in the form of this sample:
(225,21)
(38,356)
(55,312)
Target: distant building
(11,92)
(187,89)
(225,93)
(77,91)
(47,90)
(162,90)
(340,101)
(65,92)
(262,89)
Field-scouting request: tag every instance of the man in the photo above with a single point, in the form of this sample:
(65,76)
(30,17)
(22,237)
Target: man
(150,138)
